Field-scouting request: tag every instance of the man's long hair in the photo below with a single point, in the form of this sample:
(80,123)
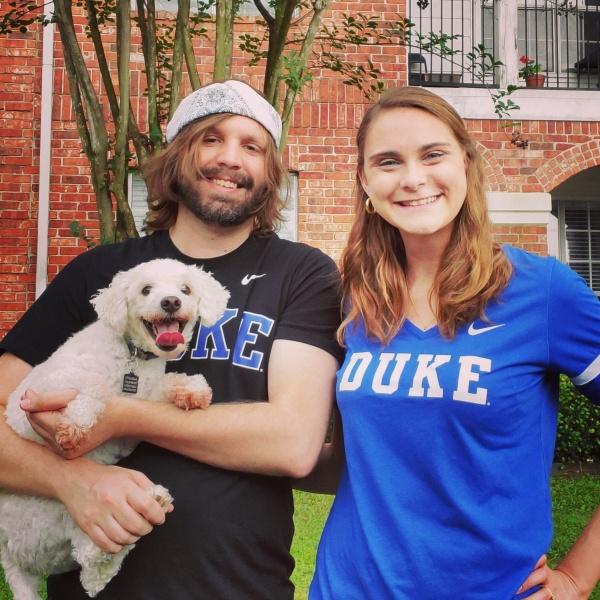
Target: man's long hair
(178,162)
(474,269)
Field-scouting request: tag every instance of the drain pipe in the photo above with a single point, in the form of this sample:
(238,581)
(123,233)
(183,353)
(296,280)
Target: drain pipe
(41,279)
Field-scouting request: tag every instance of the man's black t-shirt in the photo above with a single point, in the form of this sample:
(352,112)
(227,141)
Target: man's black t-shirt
(230,533)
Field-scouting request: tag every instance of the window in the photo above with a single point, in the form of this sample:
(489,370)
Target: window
(139,206)
(248,8)
(138,200)
(579,238)
(289,224)
(562,36)
(535,35)
(563,39)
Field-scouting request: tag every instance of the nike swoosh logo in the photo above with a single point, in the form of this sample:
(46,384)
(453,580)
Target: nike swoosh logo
(473,331)
(248,278)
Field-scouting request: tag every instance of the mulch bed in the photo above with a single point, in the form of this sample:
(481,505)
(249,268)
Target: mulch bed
(575,469)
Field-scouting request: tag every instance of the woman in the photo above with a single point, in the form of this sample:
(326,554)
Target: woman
(449,391)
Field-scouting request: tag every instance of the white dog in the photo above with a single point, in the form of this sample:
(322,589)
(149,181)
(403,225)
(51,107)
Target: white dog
(146,316)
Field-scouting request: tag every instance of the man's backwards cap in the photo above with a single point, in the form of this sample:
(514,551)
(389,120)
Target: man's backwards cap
(231,96)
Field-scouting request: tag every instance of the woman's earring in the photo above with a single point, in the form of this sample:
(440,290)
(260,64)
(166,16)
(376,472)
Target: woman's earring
(369,208)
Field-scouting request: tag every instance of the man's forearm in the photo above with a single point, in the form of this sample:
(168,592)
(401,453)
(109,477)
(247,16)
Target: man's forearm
(25,466)
(281,437)
(254,437)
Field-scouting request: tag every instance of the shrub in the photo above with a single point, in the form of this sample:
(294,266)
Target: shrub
(578,436)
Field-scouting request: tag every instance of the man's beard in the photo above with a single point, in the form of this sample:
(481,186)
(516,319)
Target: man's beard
(222,209)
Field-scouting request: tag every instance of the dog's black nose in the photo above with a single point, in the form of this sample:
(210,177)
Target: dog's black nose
(170,303)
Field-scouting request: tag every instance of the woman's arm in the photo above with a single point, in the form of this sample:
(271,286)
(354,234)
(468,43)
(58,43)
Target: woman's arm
(578,573)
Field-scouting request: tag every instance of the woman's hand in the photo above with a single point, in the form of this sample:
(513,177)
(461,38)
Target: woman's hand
(554,584)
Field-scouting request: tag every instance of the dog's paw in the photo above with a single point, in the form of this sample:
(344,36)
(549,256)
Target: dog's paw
(161,495)
(69,438)
(98,567)
(183,397)
(187,391)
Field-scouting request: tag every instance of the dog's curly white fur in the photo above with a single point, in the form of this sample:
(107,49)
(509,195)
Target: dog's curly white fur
(149,310)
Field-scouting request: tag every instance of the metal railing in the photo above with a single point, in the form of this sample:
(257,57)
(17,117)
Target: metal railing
(559,38)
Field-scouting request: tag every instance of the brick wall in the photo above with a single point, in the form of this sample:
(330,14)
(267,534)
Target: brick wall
(320,148)
(20,72)
(532,238)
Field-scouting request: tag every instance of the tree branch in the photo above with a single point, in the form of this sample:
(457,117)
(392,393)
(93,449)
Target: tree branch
(121,158)
(181,27)
(320,7)
(88,115)
(224,43)
(92,18)
(279,28)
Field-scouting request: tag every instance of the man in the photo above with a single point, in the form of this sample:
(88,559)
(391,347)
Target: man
(271,361)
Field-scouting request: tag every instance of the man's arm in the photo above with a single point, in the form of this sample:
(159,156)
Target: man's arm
(109,503)
(283,436)
(325,477)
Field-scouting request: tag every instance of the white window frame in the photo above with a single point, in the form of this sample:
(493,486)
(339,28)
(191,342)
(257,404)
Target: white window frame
(593,237)
(289,225)
(138,199)
(247,9)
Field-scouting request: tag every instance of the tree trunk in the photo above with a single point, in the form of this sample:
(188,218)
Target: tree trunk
(125,221)
(92,130)
(224,41)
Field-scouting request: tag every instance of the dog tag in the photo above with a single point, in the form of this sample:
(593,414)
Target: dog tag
(130,383)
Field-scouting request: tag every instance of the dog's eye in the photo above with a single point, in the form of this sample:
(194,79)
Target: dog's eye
(185,290)
(146,290)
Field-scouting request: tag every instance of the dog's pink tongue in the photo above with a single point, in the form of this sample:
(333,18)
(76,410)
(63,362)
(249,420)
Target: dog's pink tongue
(168,334)
(169,338)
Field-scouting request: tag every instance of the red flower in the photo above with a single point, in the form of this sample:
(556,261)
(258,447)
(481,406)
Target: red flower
(524,59)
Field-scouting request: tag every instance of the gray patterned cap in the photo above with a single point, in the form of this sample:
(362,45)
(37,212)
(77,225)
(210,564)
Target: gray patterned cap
(231,96)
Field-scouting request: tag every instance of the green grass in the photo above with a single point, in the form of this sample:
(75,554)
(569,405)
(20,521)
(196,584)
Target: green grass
(310,513)
(574,502)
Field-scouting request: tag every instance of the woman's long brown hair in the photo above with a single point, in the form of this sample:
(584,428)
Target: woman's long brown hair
(474,268)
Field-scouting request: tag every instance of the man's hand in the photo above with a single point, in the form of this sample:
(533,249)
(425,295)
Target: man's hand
(45,415)
(110,504)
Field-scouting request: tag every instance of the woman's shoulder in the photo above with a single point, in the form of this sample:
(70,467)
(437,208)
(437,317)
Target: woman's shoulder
(520,257)
(544,272)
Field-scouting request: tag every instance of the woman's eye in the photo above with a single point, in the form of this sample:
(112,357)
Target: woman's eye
(388,162)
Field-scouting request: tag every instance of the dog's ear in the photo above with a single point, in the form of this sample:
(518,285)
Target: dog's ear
(111,302)
(213,298)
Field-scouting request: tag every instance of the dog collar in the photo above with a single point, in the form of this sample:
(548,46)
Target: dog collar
(138,353)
